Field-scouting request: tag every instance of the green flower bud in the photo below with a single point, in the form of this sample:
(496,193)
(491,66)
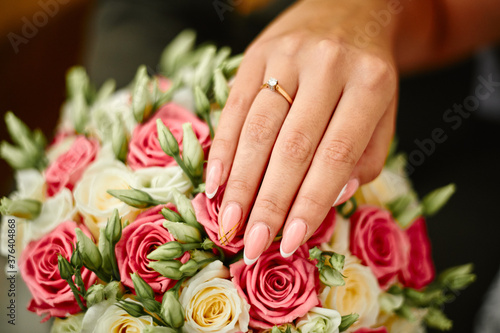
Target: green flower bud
(221,89)
(176,52)
(167,268)
(202,72)
(435,318)
(170,215)
(95,294)
(435,200)
(207,244)
(457,278)
(315,253)
(232,64)
(158,329)
(221,56)
(183,232)
(90,253)
(23,208)
(201,101)
(389,302)
(192,153)
(171,310)
(16,157)
(76,259)
(114,290)
(119,141)
(132,308)
(105,249)
(185,208)
(189,268)
(167,140)
(167,251)
(81,113)
(142,289)
(337,261)
(347,321)
(77,81)
(17,129)
(135,198)
(114,228)
(331,277)
(198,255)
(107,89)
(141,98)
(409,215)
(65,269)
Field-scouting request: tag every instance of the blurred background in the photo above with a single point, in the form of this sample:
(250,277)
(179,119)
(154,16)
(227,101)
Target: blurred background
(41,39)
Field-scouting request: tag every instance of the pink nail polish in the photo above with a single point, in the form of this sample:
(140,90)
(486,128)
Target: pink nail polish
(293,237)
(255,243)
(230,222)
(347,191)
(214,176)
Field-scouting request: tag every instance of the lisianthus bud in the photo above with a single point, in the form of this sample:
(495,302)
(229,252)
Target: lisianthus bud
(176,51)
(114,228)
(221,89)
(189,268)
(201,101)
(389,302)
(23,208)
(167,268)
(141,98)
(167,251)
(347,321)
(337,261)
(198,255)
(185,208)
(119,141)
(435,200)
(158,329)
(142,289)
(135,198)
(232,64)
(457,278)
(183,232)
(90,253)
(81,112)
(435,318)
(105,249)
(95,294)
(170,215)
(331,277)
(192,155)
(315,253)
(17,129)
(132,308)
(204,69)
(167,140)
(76,259)
(171,310)
(77,81)
(114,290)
(16,157)
(65,269)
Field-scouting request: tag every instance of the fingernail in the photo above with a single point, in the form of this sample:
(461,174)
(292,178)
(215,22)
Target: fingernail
(255,243)
(230,220)
(214,176)
(347,191)
(293,237)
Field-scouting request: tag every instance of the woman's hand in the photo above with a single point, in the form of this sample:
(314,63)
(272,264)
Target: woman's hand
(289,164)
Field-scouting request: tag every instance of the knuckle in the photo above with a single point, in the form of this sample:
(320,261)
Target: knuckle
(339,152)
(291,44)
(296,147)
(377,73)
(314,203)
(222,145)
(330,48)
(271,205)
(259,129)
(239,186)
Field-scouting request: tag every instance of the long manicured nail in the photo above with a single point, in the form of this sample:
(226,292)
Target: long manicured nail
(214,176)
(256,242)
(347,191)
(293,237)
(230,221)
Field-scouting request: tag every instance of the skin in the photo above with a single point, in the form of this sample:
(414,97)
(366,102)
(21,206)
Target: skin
(287,163)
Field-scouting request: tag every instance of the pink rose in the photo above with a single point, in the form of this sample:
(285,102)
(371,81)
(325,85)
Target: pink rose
(207,213)
(67,169)
(419,270)
(278,290)
(139,239)
(38,265)
(325,231)
(379,242)
(380,329)
(144,147)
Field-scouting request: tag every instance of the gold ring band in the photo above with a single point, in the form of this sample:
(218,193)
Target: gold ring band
(272,84)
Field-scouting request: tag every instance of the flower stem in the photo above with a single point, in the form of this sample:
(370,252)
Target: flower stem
(181,163)
(76,293)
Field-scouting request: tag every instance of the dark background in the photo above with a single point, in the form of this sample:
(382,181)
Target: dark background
(113,40)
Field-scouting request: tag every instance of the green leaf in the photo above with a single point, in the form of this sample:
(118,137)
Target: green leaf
(435,200)
(435,318)
(347,321)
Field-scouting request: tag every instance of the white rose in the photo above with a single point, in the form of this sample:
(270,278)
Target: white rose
(91,198)
(320,320)
(340,238)
(30,185)
(106,317)
(212,303)
(104,114)
(71,324)
(159,182)
(359,294)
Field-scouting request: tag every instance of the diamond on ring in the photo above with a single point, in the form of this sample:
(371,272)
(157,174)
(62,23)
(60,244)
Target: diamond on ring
(272,82)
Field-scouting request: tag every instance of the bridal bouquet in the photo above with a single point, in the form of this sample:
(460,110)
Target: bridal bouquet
(111,230)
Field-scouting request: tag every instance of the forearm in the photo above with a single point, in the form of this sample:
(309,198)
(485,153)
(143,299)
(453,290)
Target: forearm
(432,33)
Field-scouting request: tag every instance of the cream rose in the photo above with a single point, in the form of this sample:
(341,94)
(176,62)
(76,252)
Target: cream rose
(91,198)
(212,304)
(160,182)
(109,318)
(339,242)
(71,324)
(359,295)
(320,320)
